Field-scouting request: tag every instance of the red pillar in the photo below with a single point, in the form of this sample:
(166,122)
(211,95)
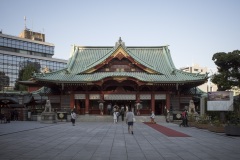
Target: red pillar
(102,100)
(168,101)
(137,98)
(153,102)
(72,100)
(87,104)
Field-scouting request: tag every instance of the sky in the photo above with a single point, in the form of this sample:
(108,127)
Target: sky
(194,29)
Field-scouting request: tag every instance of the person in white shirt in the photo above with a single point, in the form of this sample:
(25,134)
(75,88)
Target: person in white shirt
(73,118)
(152,117)
(115,117)
(129,120)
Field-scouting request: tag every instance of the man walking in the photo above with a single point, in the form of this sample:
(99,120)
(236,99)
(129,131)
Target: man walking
(129,120)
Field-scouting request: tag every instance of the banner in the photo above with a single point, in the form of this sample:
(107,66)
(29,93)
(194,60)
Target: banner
(220,101)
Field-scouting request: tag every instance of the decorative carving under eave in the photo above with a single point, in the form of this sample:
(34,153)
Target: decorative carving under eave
(120,56)
(120,89)
(120,79)
(99,83)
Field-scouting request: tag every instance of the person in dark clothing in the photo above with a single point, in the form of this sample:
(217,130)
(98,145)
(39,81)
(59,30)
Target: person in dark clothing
(12,115)
(183,119)
(109,108)
(186,120)
(122,113)
(15,113)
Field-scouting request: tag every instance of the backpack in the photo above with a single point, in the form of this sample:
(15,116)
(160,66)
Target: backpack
(183,115)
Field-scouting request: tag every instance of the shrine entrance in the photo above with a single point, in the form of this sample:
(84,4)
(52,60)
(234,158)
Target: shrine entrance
(159,107)
(119,104)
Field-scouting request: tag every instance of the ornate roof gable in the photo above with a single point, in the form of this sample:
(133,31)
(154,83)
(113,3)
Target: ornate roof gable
(90,59)
(120,61)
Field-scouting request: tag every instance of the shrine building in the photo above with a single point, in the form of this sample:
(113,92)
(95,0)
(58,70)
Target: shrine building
(119,75)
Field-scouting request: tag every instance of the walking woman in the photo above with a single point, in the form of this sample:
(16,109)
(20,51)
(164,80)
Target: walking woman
(129,120)
(152,117)
(73,117)
(114,117)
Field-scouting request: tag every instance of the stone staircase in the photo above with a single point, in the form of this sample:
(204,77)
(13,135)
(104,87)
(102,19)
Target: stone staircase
(107,118)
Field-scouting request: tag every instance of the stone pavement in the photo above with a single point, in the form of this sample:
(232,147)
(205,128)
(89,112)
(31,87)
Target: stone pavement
(107,141)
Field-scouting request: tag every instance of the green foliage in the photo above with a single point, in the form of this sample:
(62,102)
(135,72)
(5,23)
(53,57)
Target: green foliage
(204,119)
(216,121)
(228,75)
(191,118)
(24,75)
(233,117)
(4,80)
(214,114)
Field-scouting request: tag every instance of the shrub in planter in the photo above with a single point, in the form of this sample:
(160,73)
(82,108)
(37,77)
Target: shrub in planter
(216,126)
(233,126)
(203,122)
(232,130)
(192,120)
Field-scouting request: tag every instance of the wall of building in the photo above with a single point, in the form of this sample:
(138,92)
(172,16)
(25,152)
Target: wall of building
(195,68)
(16,53)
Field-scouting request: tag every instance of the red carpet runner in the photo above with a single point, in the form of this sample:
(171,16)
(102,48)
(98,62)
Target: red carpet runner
(167,131)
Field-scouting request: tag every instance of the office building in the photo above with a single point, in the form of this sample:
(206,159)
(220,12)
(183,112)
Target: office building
(18,51)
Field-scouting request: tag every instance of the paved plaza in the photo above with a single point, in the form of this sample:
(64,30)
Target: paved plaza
(107,141)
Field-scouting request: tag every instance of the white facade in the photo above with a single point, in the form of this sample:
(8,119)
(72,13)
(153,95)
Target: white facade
(195,68)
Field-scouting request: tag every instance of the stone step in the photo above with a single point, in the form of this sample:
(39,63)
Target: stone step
(107,118)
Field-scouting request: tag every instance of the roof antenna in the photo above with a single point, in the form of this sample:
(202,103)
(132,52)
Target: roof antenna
(25,19)
(120,40)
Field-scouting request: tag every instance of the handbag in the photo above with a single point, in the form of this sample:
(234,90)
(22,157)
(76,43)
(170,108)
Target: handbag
(134,120)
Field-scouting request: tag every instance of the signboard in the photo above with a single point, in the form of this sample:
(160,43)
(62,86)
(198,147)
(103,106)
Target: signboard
(119,97)
(79,96)
(94,96)
(160,96)
(220,101)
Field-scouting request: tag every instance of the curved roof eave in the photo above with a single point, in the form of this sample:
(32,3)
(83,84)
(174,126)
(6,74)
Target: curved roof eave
(86,78)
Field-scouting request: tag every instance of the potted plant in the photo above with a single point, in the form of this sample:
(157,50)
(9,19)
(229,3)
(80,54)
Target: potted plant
(233,125)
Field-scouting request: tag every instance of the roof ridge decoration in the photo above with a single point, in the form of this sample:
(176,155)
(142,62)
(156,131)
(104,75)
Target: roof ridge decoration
(169,60)
(120,42)
(72,58)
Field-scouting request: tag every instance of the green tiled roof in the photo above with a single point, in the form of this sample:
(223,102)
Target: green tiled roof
(154,78)
(155,58)
(85,58)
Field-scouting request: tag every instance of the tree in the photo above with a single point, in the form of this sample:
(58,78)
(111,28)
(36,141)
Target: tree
(24,75)
(228,65)
(4,80)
